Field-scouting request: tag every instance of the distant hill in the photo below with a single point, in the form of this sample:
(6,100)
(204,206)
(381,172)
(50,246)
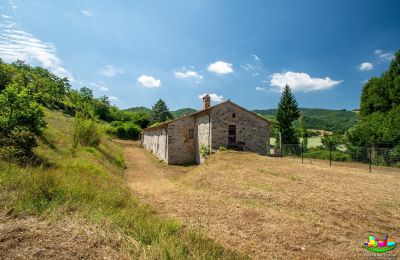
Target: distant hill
(139,109)
(325,119)
(314,118)
(183,111)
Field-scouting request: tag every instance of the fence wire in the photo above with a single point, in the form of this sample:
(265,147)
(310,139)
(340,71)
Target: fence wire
(373,155)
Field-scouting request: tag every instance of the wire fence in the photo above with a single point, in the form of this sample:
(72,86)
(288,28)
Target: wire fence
(373,155)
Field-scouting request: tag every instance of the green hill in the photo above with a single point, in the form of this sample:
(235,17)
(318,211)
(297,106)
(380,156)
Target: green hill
(182,111)
(314,118)
(325,119)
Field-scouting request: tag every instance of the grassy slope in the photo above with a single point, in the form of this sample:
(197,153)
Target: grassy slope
(88,183)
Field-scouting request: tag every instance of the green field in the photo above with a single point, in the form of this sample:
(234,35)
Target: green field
(312,141)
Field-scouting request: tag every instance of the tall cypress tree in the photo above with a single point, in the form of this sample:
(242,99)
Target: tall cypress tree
(287,113)
(160,112)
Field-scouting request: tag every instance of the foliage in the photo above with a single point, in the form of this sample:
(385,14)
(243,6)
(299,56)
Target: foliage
(181,112)
(286,114)
(379,110)
(90,185)
(323,154)
(332,141)
(324,119)
(303,132)
(160,112)
(87,132)
(222,149)
(204,150)
(124,130)
(21,120)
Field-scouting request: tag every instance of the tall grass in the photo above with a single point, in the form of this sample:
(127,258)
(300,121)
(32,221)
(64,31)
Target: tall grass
(89,183)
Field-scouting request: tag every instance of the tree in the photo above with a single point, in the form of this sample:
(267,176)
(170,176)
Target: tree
(160,112)
(287,113)
(303,132)
(21,120)
(379,110)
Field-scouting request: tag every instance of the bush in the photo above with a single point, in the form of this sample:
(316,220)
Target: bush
(222,149)
(21,120)
(86,133)
(323,154)
(204,150)
(124,130)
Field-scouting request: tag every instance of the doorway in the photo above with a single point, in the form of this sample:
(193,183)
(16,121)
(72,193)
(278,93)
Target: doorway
(231,135)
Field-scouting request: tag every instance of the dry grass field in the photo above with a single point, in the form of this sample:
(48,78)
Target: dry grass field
(272,207)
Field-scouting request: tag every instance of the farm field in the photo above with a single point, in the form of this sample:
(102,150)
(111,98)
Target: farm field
(272,207)
(312,141)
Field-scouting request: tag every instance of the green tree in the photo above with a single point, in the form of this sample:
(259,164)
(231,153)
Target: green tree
(21,120)
(286,114)
(160,112)
(303,132)
(379,110)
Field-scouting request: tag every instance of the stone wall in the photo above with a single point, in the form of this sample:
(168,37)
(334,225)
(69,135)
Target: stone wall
(155,140)
(203,133)
(250,129)
(181,148)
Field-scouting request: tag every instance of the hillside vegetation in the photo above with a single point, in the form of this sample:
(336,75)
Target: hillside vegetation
(314,118)
(88,183)
(324,119)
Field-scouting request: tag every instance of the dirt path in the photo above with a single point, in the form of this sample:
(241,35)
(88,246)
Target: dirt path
(271,207)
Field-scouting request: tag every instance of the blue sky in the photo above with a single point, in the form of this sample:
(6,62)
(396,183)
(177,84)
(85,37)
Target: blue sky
(136,52)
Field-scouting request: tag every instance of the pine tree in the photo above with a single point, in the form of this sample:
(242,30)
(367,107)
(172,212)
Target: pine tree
(287,113)
(160,112)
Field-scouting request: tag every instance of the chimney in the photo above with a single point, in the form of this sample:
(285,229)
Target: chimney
(206,101)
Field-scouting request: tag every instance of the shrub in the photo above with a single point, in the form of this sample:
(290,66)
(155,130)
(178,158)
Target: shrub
(204,150)
(86,132)
(323,154)
(222,148)
(124,130)
(21,120)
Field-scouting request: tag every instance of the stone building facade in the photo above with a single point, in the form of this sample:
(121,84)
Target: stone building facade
(225,124)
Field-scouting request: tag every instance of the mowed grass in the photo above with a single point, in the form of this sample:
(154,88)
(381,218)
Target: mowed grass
(88,183)
(280,208)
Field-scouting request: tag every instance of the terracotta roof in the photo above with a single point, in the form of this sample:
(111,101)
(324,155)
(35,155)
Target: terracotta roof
(162,124)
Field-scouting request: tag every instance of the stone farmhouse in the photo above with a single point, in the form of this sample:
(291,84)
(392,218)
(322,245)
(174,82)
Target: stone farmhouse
(225,124)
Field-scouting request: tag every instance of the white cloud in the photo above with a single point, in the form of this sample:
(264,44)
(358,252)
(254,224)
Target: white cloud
(16,44)
(112,98)
(87,13)
(100,85)
(301,81)
(220,67)
(365,66)
(111,71)
(214,97)
(248,67)
(255,57)
(255,74)
(188,74)
(384,56)
(260,89)
(149,81)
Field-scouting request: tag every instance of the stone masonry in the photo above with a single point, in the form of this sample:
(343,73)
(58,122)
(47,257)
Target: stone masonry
(225,124)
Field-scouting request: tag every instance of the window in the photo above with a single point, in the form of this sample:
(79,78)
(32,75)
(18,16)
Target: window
(191,133)
(233,115)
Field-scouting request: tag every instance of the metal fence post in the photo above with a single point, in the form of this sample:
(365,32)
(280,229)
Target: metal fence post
(370,159)
(302,147)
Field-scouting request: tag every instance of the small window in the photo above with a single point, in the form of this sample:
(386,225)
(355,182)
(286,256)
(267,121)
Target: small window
(191,133)
(233,115)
